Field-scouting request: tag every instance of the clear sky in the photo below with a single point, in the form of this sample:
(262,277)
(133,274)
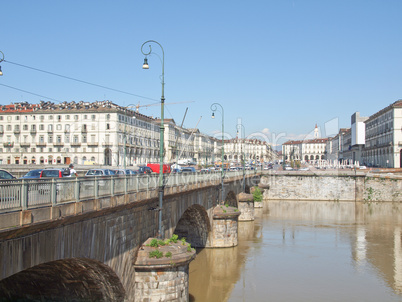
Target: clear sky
(281,66)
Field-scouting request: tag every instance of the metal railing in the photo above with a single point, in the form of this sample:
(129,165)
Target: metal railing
(23,194)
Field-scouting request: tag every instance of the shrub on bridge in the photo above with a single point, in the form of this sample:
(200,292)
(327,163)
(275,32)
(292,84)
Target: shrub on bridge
(257,194)
(155,243)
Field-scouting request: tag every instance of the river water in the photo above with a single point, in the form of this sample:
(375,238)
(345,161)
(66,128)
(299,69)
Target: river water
(307,251)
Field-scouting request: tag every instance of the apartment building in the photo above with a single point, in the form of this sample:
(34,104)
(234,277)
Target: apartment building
(383,141)
(252,150)
(100,133)
(83,133)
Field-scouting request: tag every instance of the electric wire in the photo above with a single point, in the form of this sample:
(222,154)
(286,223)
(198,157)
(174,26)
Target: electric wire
(72,79)
(25,91)
(80,81)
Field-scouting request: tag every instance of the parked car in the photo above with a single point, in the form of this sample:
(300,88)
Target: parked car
(119,171)
(144,170)
(6,175)
(131,172)
(99,172)
(188,170)
(55,173)
(32,174)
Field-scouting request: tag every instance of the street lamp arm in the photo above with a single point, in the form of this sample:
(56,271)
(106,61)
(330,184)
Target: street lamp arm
(214,107)
(149,42)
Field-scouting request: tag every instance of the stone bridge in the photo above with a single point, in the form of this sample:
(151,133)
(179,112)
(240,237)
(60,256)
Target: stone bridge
(84,249)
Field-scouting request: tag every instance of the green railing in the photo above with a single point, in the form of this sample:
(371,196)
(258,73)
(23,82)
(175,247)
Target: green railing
(23,194)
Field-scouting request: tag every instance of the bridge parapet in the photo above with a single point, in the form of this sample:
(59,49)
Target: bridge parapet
(24,202)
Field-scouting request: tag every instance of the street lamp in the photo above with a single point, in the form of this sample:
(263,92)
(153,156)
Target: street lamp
(243,161)
(162,128)
(214,108)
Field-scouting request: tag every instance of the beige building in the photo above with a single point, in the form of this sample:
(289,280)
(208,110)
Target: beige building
(383,146)
(308,150)
(100,133)
(187,144)
(253,150)
(83,133)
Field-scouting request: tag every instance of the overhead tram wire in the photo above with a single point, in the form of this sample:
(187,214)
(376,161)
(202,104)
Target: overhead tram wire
(80,81)
(25,91)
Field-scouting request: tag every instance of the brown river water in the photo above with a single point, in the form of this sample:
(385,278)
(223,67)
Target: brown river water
(307,251)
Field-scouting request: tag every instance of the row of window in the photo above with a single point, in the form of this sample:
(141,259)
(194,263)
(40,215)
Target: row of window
(384,117)
(50,117)
(50,127)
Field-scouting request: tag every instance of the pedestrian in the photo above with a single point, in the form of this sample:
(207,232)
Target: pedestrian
(71,170)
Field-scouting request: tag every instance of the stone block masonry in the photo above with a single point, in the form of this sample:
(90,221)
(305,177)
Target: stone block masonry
(382,189)
(333,187)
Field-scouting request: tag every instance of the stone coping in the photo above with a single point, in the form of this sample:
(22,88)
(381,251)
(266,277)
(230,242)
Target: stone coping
(245,197)
(180,256)
(223,212)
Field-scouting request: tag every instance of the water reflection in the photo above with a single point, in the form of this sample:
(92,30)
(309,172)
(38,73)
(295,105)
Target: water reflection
(307,251)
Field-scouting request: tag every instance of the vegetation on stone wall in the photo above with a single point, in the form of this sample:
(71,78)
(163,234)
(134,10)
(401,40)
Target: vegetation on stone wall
(257,194)
(155,243)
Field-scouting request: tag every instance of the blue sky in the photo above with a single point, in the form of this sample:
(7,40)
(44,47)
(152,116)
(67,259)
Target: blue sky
(281,66)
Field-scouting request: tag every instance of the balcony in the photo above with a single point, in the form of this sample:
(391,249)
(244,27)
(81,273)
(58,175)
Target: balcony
(33,131)
(8,144)
(17,131)
(24,145)
(41,144)
(107,144)
(75,144)
(58,144)
(93,144)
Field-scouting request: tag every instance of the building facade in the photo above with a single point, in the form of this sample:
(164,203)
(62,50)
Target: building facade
(383,145)
(252,150)
(99,133)
(308,150)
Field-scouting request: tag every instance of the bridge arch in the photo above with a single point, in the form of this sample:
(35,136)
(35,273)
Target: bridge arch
(73,279)
(194,225)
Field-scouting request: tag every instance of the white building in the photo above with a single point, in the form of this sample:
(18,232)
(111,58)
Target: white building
(308,150)
(358,137)
(84,133)
(383,146)
(253,150)
(100,133)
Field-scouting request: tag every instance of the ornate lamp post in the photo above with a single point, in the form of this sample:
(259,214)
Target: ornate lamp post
(214,108)
(162,128)
(243,161)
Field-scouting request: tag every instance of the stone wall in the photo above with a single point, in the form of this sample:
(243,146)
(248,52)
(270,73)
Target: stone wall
(382,189)
(332,187)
